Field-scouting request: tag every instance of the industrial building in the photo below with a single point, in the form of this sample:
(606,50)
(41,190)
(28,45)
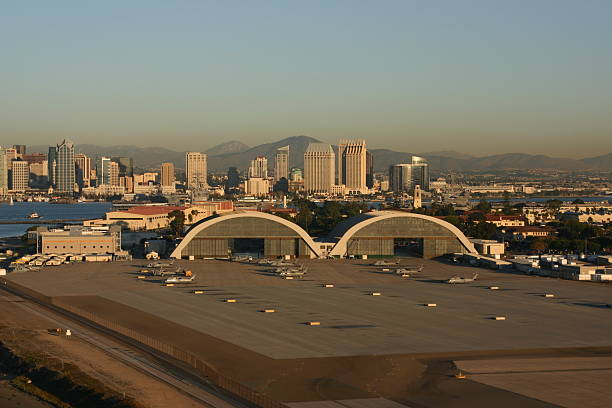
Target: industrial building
(78,240)
(374,234)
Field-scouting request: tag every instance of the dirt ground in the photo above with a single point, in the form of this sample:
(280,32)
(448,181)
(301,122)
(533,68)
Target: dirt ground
(10,397)
(30,333)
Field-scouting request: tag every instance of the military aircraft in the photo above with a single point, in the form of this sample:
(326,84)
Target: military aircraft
(264,262)
(293,273)
(459,279)
(386,263)
(282,263)
(409,269)
(160,264)
(180,279)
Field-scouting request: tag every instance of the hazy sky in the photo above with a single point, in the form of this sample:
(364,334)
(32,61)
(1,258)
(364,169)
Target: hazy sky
(474,76)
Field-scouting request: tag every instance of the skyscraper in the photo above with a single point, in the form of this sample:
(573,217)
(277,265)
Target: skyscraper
(3,172)
(319,168)
(52,164)
(83,170)
(126,166)
(400,177)
(167,174)
(369,170)
(20,175)
(103,171)
(64,169)
(195,170)
(259,168)
(281,166)
(233,179)
(420,172)
(352,165)
(113,173)
(404,177)
(20,149)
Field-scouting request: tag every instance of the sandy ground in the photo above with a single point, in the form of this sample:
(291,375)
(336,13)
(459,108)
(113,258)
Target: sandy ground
(11,397)
(31,332)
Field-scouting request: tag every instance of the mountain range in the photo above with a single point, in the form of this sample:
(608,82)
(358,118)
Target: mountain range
(238,154)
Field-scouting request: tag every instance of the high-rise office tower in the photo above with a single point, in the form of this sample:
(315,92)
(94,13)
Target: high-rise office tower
(126,166)
(400,177)
(103,171)
(52,164)
(167,174)
(64,169)
(319,168)
(369,170)
(20,175)
(352,165)
(281,166)
(259,168)
(113,173)
(3,171)
(233,179)
(420,172)
(195,170)
(83,170)
(405,176)
(11,154)
(20,149)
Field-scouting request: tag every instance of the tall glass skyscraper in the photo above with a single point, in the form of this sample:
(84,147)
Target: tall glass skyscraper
(65,168)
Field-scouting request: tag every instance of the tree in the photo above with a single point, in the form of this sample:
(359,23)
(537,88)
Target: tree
(539,245)
(483,206)
(177,222)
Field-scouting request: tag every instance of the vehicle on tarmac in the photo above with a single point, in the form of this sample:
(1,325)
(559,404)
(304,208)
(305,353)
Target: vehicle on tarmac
(459,279)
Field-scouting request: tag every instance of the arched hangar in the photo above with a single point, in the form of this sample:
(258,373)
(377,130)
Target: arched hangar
(249,232)
(397,233)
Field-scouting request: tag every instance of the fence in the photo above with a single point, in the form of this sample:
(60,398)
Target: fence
(202,368)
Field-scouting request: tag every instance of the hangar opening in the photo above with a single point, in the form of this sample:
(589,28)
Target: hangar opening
(396,233)
(407,247)
(254,247)
(246,233)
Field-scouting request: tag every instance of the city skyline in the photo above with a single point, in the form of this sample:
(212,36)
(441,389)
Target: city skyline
(481,78)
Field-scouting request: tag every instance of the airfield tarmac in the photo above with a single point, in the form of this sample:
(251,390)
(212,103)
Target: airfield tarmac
(366,346)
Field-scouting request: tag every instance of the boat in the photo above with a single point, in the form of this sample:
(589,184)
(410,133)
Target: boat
(11,200)
(33,215)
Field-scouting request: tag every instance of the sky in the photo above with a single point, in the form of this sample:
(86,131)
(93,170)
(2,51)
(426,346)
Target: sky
(480,77)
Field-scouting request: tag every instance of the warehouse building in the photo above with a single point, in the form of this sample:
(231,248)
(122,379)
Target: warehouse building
(78,240)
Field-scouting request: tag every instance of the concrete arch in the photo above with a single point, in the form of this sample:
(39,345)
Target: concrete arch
(352,227)
(197,229)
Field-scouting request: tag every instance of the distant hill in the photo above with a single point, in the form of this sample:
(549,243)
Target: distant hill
(447,153)
(152,157)
(233,146)
(297,146)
